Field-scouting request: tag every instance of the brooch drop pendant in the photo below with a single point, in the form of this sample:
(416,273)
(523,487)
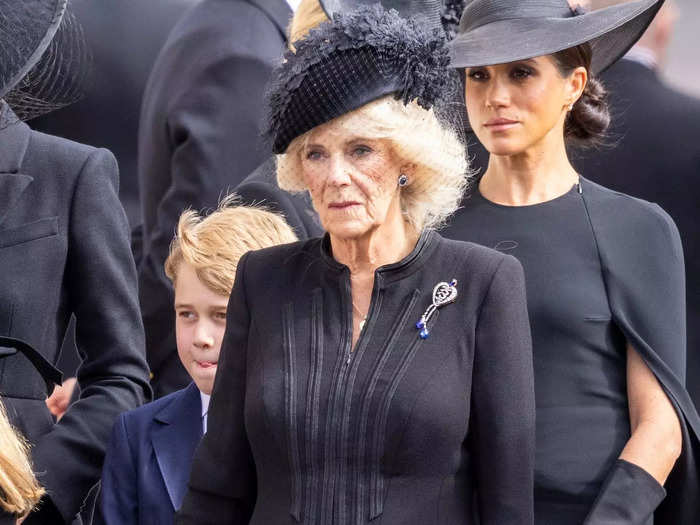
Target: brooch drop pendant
(443,293)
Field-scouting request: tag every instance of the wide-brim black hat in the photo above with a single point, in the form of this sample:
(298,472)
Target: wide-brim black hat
(44,58)
(357,58)
(502,31)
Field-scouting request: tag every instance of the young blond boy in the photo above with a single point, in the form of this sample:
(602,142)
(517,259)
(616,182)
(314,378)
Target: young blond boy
(149,457)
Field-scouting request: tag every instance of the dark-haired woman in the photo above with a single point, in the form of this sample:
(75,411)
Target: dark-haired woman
(604,271)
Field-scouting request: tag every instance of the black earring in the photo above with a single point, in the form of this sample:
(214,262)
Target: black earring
(403,180)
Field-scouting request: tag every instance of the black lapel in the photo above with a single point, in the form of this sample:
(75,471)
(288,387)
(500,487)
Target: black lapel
(14,140)
(176,433)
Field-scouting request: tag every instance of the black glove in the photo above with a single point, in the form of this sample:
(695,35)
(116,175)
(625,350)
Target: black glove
(628,496)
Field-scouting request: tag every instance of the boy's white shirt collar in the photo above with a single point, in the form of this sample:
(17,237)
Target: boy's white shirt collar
(294,5)
(205,410)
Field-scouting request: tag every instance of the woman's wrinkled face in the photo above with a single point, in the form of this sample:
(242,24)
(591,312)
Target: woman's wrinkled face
(352,180)
(516,105)
(200,323)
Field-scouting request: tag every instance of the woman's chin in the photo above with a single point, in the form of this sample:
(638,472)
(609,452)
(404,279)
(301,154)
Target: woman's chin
(347,229)
(503,147)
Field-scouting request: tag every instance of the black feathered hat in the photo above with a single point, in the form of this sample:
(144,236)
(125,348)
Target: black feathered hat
(357,58)
(43,56)
(429,10)
(501,31)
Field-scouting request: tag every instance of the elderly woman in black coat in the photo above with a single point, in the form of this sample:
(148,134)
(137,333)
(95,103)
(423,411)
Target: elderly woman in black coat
(381,372)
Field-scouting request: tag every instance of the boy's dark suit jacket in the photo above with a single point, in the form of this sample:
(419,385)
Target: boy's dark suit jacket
(64,250)
(148,460)
(199,136)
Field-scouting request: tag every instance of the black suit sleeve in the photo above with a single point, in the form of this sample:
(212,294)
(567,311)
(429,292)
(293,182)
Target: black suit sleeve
(222,486)
(503,402)
(113,377)
(214,132)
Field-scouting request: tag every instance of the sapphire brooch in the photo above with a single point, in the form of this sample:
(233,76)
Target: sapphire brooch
(443,293)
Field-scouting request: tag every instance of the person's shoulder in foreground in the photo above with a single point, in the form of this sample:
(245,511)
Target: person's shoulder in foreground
(625,211)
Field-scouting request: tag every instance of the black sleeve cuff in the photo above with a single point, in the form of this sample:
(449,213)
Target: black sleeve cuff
(628,496)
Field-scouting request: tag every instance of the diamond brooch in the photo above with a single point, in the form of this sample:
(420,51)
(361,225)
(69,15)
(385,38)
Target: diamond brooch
(443,293)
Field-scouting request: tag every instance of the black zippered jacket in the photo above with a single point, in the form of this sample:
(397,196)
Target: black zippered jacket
(399,430)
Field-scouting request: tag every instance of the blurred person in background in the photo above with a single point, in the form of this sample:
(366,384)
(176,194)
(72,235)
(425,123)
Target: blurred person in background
(64,251)
(261,185)
(199,136)
(123,37)
(19,489)
(652,151)
(150,454)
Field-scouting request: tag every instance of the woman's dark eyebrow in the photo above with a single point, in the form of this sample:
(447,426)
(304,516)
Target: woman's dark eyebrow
(529,61)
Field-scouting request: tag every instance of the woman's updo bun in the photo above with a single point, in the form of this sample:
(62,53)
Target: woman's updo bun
(589,119)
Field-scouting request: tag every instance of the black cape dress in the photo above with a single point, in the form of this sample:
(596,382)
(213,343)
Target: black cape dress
(627,254)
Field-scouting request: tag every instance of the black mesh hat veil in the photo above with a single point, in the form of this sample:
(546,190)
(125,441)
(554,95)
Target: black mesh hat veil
(44,58)
(351,61)
(502,31)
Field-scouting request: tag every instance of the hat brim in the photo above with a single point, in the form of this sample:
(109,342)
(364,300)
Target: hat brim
(611,32)
(30,54)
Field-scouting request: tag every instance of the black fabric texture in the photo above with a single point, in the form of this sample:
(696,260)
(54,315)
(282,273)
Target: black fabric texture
(355,59)
(629,496)
(7,519)
(640,105)
(199,137)
(602,269)
(148,461)
(79,265)
(400,430)
(124,38)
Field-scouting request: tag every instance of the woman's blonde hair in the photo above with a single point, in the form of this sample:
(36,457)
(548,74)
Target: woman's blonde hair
(213,245)
(19,489)
(308,15)
(435,150)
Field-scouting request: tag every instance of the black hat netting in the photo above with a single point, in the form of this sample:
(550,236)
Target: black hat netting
(26,28)
(60,76)
(359,57)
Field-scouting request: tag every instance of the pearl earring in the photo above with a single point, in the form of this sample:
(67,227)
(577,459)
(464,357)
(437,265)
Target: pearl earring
(571,107)
(403,180)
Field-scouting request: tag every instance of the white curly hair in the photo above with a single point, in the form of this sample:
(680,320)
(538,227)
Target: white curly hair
(418,138)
